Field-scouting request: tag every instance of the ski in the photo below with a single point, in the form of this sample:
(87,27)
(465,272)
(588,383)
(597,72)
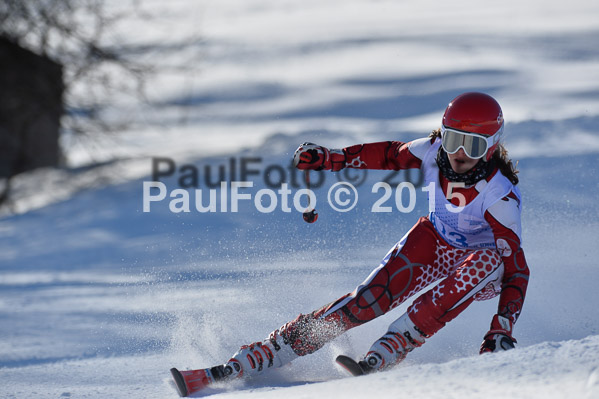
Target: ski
(353,367)
(189,382)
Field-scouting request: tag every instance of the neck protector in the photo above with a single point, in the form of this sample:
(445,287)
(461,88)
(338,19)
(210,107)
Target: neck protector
(480,171)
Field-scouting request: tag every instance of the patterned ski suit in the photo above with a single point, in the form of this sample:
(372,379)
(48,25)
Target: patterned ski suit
(476,253)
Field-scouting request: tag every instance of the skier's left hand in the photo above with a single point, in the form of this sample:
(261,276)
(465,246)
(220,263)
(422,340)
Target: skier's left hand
(499,337)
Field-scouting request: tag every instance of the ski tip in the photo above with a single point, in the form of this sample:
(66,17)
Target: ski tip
(180,382)
(350,365)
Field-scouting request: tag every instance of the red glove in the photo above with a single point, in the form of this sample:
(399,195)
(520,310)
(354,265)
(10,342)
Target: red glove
(499,336)
(312,156)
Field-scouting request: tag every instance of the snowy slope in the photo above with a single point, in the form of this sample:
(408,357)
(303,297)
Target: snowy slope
(99,299)
(549,370)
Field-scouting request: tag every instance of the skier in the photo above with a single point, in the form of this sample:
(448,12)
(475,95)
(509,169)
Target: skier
(470,241)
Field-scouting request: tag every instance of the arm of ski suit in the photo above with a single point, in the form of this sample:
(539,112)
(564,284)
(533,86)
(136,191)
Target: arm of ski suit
(504,219)
(386,155)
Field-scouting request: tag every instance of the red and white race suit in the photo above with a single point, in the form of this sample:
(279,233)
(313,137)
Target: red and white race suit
(476,252)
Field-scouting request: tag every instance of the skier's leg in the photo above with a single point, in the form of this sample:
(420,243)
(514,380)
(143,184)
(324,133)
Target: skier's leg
(410,266)
(480,273)
(477,277)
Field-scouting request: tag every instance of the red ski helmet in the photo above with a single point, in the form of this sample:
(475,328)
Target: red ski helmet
(474,115)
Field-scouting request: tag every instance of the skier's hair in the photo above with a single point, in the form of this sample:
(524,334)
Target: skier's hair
(500,157)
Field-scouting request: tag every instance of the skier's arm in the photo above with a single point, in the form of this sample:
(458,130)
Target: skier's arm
(390,155)
(504,218)
(386,155)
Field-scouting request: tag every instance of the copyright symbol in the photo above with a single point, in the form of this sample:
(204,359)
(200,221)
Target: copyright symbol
(340,196)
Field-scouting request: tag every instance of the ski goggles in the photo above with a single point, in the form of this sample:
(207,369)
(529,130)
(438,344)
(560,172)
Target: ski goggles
(474,145)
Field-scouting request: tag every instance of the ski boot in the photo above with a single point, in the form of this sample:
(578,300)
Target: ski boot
(401,338)
(249,361)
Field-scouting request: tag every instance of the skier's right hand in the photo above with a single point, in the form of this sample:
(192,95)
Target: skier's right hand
(312,156)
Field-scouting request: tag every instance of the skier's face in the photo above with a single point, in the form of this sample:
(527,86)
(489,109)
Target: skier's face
(460,162)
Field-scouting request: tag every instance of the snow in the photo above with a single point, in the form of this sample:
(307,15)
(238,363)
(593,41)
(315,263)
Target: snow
(99,299)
